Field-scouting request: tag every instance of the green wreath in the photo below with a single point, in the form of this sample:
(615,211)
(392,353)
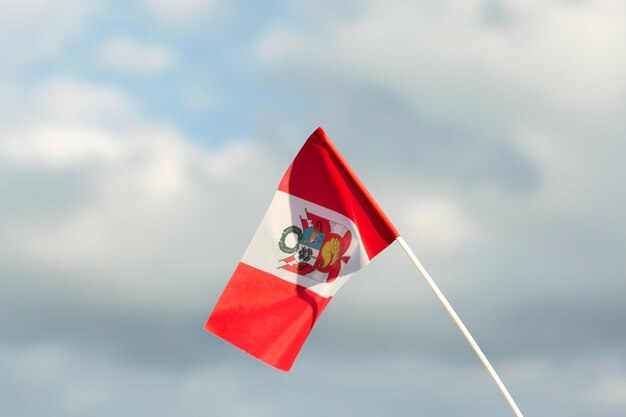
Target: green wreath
(289,230)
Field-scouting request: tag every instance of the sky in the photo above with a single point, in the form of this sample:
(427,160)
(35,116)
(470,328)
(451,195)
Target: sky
(141,143)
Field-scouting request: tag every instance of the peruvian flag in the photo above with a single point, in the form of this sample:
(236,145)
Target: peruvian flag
(321,227)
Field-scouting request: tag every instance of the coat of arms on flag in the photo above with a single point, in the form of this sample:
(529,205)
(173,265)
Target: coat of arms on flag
(321,246)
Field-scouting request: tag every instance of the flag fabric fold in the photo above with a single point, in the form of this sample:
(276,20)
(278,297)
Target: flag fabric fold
(321,227)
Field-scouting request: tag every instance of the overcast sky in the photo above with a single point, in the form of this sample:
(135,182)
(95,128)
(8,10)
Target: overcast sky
(142,141)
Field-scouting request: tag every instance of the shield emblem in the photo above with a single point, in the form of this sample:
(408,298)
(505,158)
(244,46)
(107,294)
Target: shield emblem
(320,248)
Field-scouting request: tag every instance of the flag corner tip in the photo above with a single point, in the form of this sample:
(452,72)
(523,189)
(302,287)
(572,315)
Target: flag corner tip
(319,129)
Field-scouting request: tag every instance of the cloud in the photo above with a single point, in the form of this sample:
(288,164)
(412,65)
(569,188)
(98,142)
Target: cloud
(439,223)
(35,30)
(136,221)
(61,123)
(598,380)
(182,12)
(470,64)
(51,372)
(127,55)
(63,101)
(609,391)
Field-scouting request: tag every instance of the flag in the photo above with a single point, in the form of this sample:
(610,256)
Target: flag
(321,227)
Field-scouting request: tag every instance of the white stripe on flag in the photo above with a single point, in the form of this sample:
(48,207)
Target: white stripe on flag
(286,210)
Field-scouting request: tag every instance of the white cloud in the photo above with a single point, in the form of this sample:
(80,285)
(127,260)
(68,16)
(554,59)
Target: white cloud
(58,146)
(61,122)
(31,30)
(51,369)
(197,384)
(439,223)
(40,364)
(67,102)
(180,12)
(125,54)
(457,63)
(609,391)
(599,379)
(155,203)
(159,205)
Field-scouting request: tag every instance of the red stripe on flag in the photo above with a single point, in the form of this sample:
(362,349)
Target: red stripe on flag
(265,316)
(321,175)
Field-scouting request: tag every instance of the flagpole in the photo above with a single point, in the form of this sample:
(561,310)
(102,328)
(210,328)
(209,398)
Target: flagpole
(460,325)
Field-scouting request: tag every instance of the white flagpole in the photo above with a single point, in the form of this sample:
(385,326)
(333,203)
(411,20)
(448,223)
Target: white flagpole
(460,325)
